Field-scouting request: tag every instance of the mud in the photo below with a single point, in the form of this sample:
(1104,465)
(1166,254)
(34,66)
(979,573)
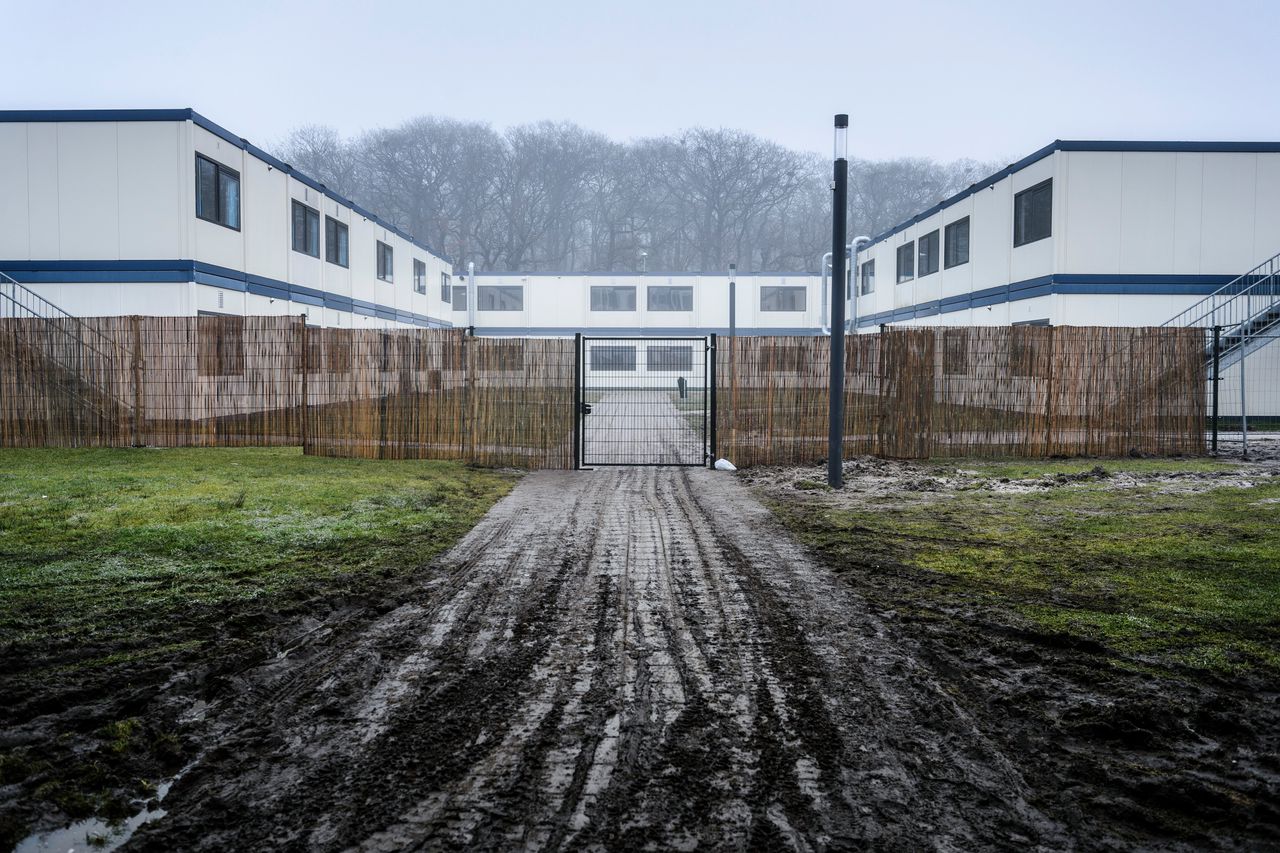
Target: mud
(643,659)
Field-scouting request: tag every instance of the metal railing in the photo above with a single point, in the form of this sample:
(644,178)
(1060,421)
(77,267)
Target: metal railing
(1246,309)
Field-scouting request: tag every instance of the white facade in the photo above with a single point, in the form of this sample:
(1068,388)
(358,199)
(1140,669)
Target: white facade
(98,213)
(652,303)
(1139,232)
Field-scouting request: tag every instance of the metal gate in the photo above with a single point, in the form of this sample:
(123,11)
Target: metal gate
(644,401)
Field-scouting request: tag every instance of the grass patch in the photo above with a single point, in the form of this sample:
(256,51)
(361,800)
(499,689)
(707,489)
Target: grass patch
(1185,579)
(100,545)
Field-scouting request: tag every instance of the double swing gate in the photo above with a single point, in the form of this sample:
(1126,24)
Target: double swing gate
(644,401)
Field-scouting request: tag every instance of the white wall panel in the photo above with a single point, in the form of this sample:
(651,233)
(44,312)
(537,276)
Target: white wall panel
(1226,226)
(42,183)
(15,223)
(150,207)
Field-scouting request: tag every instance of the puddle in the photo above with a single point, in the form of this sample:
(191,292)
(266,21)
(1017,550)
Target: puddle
(95,834)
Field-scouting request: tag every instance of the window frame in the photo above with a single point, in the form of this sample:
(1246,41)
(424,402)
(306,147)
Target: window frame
(386,260)
(907,251)
(446,287)
(340,229)
(219,172)
(631,367)
(948,239)
(610,291)
(1020,237)
(309,215)
(683,353)
(491,289)
(419,277)
(932,241)
(650,290)
(776,290)
(459,290)
(864,279)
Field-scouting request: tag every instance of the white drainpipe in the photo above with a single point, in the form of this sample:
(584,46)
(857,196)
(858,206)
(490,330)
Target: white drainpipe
(851,316)
(471,294)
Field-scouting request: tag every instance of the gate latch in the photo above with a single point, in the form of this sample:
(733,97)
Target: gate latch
(584,408)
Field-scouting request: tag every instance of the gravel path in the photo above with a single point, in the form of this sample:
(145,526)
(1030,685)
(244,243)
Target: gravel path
(612,659)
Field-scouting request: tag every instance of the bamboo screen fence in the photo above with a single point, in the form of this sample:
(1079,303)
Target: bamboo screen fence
(1019,391)
(436,393)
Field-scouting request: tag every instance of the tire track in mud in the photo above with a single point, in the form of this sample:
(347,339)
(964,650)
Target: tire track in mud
(610,659)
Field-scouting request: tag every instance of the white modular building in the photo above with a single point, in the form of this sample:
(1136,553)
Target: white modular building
(1081,234)
(654,304)
(163,212)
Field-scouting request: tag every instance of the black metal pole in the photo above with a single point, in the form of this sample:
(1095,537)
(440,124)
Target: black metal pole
(839,206)
(577,401)
(1217,351)
(712,413)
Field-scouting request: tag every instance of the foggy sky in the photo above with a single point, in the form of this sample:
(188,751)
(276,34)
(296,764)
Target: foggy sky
(989,80)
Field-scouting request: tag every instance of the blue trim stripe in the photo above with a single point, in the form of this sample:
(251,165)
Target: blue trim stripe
(634,332)
(189,114)
(647,275)
(210,275)
(1046,285)
(1078,145)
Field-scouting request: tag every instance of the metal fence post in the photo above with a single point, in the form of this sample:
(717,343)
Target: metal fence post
(1244,412)
(712,438)
(1217,352)
(577,401)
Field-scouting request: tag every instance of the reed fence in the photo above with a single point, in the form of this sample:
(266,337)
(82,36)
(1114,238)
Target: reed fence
(1020,391)
(437,393)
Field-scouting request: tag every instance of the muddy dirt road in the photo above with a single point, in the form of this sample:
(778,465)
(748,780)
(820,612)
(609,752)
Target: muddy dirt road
(615,659)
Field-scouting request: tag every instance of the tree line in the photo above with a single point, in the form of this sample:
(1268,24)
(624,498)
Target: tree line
(556,197)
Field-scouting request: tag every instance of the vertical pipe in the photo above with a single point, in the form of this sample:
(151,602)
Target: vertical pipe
(577,401)
(471,296)
(839,205)
(1217,353)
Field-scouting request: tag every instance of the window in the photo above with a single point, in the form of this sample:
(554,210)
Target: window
(419,276)
(217,193)
(446,286)
(613,358)
(385,268)
(336,242)
(459,297)
(782,299)
(928,255)
(670,359)
(338,350)
(665,298)
(220,345)
(610,298)
(1033,213)
(306,230)
(867,272)
(906,262)
(1029,349)
(957,248)
(500,297)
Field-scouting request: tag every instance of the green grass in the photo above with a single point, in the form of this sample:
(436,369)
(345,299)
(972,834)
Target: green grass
(98,545)
(1184,580)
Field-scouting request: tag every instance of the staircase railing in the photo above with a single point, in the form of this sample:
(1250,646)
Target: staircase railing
(78,353)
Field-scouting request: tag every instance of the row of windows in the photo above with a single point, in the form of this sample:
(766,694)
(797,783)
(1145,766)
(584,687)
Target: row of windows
(1032,221)
(510,297)
(218,201)
(657,359)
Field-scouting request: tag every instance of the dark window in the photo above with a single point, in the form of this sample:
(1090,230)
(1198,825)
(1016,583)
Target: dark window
(928,255)
(613,298)
(782,299)
(459,297)
(386,354)
(385,265)
(338,350)
(1033,213)
(613,358)
(446,286)
(868,275)
(1029,349)
(306,230)
(667,298)
(217,193)
(500,297)
(336,242)
(955,351)
(906,262)
(419,276)
(220,345)
(957,250)
(670,359)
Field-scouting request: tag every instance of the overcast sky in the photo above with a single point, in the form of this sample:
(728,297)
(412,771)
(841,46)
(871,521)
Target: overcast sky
(989,80)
